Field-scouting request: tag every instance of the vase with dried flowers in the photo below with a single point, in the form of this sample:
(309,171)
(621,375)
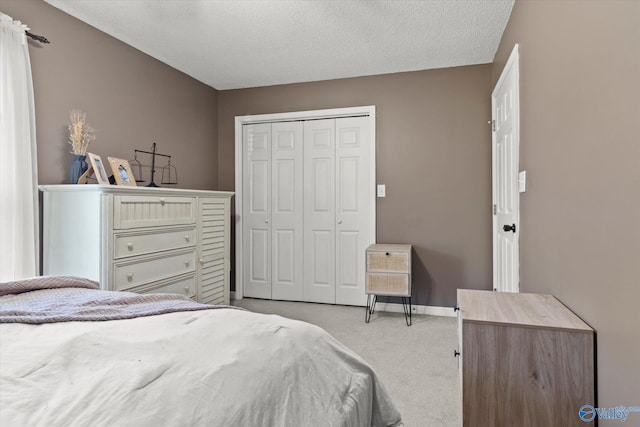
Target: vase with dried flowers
(80,135)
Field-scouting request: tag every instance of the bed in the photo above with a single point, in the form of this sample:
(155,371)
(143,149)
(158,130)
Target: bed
(73,355)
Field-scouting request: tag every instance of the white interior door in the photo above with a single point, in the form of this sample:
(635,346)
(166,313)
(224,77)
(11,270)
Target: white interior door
(505,106)
(256,213)
(353,194)
(319,211)
(287,211)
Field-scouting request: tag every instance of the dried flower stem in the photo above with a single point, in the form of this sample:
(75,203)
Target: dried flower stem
(80,133)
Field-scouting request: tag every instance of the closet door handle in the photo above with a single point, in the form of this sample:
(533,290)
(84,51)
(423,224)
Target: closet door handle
(266,221)
(339,221)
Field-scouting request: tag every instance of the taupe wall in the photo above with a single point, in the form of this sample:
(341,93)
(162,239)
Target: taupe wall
(580,145)
(433,154)
(132,99)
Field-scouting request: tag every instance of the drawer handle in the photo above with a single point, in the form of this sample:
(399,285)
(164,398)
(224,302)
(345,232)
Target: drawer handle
(339,221)
(129,276)
(456,353)
(187,237)
(130,246)
(201,261)
(162,202)
(186,263)
(186,290)
(456,309)
(387,253)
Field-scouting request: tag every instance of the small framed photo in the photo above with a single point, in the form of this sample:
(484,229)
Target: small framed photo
(98,168)
(122,171)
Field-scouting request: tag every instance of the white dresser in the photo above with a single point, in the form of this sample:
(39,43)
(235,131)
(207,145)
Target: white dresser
(140,239)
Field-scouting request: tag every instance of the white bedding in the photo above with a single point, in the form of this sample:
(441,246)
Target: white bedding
(202,368)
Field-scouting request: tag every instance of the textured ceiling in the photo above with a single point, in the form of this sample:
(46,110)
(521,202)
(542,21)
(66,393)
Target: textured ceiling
(231,44)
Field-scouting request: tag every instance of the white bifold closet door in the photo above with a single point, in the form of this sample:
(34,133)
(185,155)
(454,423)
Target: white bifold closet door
(307,245)
(336,209)
(273,214)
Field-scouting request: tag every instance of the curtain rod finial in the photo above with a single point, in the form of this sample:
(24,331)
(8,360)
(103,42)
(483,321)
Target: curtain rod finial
(41,39)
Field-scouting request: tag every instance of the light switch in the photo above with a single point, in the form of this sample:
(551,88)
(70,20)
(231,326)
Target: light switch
(522,181)
(382,190)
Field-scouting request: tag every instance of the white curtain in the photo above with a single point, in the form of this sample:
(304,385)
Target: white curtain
(19,233)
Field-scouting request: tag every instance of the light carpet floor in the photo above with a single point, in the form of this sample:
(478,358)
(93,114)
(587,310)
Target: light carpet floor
(416,363)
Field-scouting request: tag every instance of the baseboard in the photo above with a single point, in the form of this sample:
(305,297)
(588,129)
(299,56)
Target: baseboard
(429,310)
(416,309)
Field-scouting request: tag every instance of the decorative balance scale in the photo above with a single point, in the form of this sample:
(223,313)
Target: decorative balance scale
(169,172)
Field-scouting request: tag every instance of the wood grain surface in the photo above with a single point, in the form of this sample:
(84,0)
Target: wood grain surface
(524,362)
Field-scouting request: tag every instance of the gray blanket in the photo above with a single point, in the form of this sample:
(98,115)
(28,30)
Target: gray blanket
(51,299)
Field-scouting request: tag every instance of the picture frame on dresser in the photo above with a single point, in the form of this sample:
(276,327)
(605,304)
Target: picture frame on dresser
(122,172)
(98,168)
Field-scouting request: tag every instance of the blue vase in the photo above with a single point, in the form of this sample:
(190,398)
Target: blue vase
(78,167)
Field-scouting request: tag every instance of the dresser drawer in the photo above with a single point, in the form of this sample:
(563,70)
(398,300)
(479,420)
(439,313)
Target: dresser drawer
(131,274)
(149,211)
(126,245)
(388,261)
(183,286)
(388,284)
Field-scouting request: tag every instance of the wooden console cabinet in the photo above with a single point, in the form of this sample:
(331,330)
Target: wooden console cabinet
(524,360)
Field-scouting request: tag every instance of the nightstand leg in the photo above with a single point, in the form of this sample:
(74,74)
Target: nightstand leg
(406,306)
(371,305)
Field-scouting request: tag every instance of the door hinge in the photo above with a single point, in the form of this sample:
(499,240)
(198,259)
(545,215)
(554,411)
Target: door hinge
(493,125)
(495,209)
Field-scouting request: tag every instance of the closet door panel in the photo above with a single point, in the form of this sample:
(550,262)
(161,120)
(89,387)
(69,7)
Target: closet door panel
(353,192)
(259,270)
(319,211)
(287,211)
(256,245)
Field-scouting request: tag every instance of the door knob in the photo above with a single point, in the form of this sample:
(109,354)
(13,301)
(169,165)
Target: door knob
(508,227)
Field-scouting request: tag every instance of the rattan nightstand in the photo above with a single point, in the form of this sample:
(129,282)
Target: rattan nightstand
(388,274)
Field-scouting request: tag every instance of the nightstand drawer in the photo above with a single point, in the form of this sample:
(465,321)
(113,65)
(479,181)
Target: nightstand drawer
(388,261)
(147,211)
(126,245)
(388,284)
(131,274)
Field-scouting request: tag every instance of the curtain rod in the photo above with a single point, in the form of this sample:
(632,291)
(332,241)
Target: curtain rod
(41,39)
